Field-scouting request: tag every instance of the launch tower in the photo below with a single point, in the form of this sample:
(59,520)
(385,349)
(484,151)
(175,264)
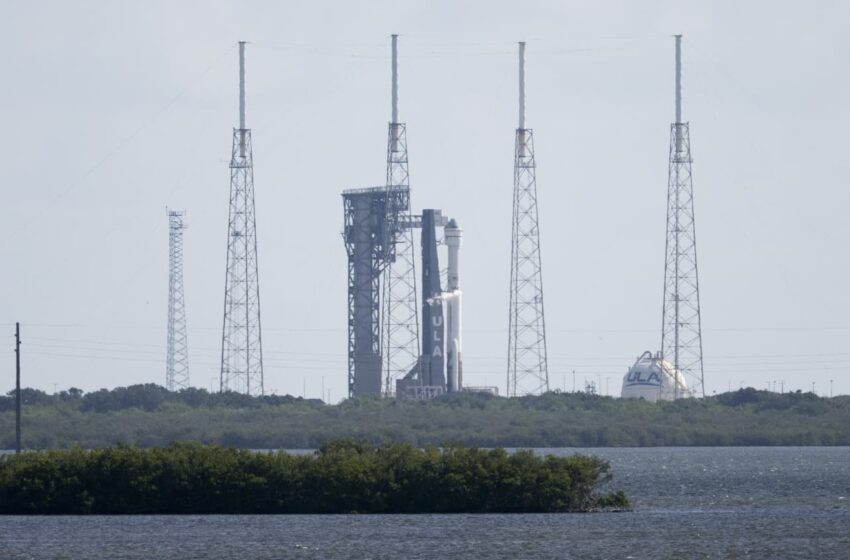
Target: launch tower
(366,236)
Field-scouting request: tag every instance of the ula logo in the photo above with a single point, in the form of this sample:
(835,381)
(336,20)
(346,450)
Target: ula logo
(637,376)
(437,336)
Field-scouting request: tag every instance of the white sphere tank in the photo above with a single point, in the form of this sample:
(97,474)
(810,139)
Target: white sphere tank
(653,379)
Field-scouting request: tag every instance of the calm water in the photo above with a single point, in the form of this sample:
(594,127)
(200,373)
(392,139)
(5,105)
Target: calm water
(750,503)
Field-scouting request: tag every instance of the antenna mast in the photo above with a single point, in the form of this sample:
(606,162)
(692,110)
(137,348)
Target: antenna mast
(177,353)
(399,310)
(528,372)
(681,332)
(241,340)
(394,113)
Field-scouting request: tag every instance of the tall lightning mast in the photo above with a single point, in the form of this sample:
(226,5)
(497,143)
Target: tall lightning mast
(399,311)
(528,371)
(177,348)
(241,340)
(681,333)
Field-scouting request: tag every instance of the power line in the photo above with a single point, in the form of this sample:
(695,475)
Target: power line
(601,330)
(73,343)
(112,152)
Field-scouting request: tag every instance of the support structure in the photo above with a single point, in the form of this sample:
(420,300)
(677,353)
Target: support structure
(528,372)
(399,311)
(681,334)
(241,340)
(368,239)
(177,348)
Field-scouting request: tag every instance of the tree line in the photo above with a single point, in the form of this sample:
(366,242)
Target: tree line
(151,416)
(343,476)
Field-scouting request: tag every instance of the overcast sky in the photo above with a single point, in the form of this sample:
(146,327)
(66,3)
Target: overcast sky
(113,110)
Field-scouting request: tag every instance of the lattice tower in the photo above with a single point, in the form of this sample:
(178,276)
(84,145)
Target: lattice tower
(241,341)
(681,333)
(177,347)
(399,310)
(528,371)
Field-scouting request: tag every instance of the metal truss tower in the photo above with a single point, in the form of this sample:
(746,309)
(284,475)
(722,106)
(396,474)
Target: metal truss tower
(241,339)
(681,335)
(528,371)
(177,352)
(365,234)
(399,311)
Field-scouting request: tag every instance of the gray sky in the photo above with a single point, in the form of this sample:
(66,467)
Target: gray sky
(113,110)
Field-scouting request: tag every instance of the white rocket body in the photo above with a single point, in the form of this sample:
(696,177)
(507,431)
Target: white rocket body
(452,298)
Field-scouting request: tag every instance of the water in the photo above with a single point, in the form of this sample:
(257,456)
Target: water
(754,503)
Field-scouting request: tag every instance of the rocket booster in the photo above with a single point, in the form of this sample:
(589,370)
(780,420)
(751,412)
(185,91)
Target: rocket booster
(452,298)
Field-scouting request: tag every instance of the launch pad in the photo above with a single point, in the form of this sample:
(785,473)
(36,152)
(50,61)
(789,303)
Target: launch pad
(374,219)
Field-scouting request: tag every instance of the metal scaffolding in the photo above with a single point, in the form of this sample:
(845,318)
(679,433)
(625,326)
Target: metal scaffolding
(681,333)
(368,240)
(177,348)
(241,340)
(399,311)
(528,372)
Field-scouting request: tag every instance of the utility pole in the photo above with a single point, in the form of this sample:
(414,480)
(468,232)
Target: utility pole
(17,387)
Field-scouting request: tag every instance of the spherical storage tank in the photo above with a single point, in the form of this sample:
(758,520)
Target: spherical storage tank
(653,379)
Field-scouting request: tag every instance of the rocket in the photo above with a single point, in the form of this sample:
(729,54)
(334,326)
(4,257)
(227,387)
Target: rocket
(452,299)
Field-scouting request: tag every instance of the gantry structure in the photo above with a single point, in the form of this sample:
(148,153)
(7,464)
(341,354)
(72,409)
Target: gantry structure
(368,239)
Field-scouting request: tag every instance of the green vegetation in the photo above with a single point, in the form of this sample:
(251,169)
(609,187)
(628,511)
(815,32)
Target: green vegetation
(150,416)
(343,476)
